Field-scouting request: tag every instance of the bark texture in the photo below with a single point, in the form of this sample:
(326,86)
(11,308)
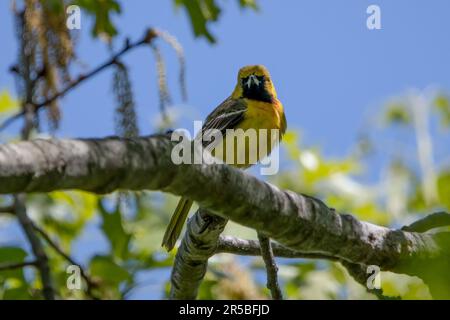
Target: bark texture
(296,221)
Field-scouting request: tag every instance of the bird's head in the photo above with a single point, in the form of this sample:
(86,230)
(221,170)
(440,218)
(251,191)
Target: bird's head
(254,83)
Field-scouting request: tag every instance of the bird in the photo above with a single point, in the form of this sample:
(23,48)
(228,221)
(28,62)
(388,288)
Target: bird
(253,104)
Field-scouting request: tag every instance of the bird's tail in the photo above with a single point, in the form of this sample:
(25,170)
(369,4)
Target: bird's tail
(176,223)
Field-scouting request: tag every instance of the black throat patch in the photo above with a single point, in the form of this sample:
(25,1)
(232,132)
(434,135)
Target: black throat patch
(256,91)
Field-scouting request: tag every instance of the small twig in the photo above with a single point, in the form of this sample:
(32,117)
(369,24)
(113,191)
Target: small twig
(146,39)
(36,246)
(228,244)
(11,119)
(91,284)
(271,267)
(7,209)
(434,220)
(29,113)
(11,266)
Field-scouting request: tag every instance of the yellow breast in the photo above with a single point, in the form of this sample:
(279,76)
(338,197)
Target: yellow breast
(255,137)
(263,115)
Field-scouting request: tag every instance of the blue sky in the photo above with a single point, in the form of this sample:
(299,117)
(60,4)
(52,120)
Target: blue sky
(331,73)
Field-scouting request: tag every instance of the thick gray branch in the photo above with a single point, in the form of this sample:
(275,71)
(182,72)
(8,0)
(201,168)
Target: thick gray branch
(198,245)
(296,221)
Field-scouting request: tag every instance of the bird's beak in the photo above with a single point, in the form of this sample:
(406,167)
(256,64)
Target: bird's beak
(254,79)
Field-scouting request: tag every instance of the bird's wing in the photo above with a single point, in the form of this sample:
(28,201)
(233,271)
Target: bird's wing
(226,116)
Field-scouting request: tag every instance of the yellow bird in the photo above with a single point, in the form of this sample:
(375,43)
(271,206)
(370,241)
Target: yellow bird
(252,105)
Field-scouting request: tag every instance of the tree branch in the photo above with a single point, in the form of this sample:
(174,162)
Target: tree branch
(238,246)
(11,266)
(434,220)
(271,267)
(296,221)
(228,244)
(149,35)
(198,245)
(36,246)
(7,209)
(90,284)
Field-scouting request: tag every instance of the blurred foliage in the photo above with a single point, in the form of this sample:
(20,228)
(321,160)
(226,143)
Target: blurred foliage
(202,12)
(442,104)
(7,103)
(109,274)
(101,11)
(443,183)
(12,282)
(397,113)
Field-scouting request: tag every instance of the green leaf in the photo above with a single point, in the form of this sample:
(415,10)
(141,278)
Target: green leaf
(406,287)
(19,293)
(303,269)
(102,11)
(442,104)
(416,201)
(11,255)
(248,3)
(206,290)
(107,270)
(7,102)
(201,12)
(443,186)
(397,113)
(113,229)
(110,277)
(65,213)
(317,169)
